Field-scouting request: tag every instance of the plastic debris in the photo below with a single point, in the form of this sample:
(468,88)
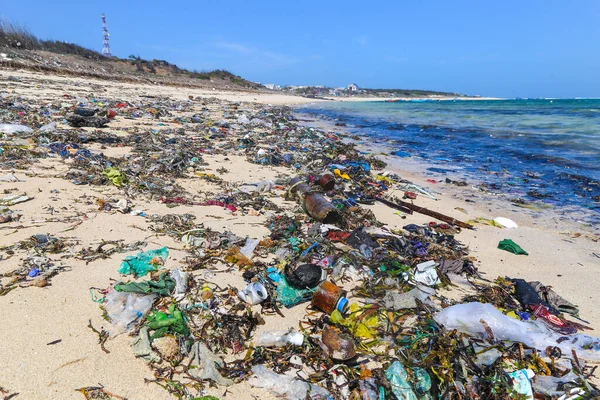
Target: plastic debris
(124,309)
(512,247)
(283,385)
(144,262)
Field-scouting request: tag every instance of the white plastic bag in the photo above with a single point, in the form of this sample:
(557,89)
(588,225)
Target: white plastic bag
(9,129)
(467,318)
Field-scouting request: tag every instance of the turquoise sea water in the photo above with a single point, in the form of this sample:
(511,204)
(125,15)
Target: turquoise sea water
(535,150)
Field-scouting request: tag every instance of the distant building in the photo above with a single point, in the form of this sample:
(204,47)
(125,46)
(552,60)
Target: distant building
(353,87)
(269,86)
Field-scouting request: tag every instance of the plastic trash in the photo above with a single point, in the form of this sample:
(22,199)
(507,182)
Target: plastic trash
(125,308)
(249,247)
(181,282)
(548,385)
(202,357)
(367,385)
(512,247)
(260,187)
(13,199)
(167,323)
(426,273)
(279,338)
(340,345)
(398,377)
(283,385)
(306,276)
(141,346)
(399,301)
(522,382)
(10,129)
(488,357)
(164,286)
(506,223)
(9,178)
(243,119)
(288,295)
(554,299)
(466,318)
(329,297)
(51,127)
(114,175)
(254,293)
(144,262)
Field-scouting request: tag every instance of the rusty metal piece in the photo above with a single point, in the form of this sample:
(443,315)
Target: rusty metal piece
(327,181)
(313,203)
(340,345)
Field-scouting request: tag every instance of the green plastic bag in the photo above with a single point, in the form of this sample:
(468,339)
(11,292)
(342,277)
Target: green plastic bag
(289,296)
(114,175)
(511,246)
(144,262)
(162,323)
(163,287)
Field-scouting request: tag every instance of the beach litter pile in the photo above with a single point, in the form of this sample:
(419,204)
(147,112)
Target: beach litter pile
(331,303)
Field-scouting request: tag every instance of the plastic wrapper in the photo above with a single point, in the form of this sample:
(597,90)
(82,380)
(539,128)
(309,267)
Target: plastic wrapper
(208,361)
(249,247)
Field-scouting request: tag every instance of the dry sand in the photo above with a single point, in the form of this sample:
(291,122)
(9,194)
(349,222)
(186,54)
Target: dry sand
(33,317)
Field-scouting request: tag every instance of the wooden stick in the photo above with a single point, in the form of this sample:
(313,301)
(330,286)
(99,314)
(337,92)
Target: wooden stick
(403,205)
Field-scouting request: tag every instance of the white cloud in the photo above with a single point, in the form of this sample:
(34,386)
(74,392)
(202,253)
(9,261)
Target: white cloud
(233,47)
(257,55)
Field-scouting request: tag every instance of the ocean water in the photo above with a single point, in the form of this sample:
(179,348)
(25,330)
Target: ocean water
(535,150)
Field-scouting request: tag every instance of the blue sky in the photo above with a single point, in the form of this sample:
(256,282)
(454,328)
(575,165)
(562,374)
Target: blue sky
(508,48)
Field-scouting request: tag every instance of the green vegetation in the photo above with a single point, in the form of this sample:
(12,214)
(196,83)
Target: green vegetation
(18,37)
(13,36)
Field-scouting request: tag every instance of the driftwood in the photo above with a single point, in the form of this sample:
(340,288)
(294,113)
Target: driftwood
(409,208)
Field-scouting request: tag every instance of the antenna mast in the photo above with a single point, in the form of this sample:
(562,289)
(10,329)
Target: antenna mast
(105,37)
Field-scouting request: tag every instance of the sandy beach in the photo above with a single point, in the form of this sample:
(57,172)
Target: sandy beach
(561,254)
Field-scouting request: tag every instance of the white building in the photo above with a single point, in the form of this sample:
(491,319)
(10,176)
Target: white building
(353,87)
